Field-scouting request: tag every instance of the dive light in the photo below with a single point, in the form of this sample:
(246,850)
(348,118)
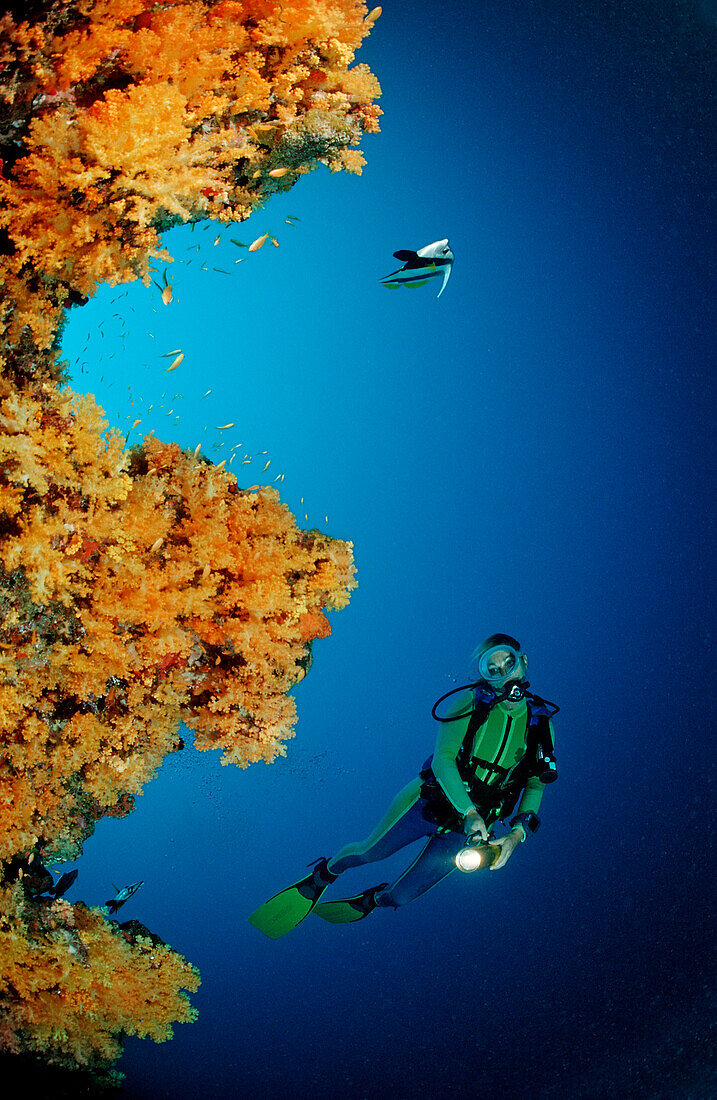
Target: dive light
(477,856)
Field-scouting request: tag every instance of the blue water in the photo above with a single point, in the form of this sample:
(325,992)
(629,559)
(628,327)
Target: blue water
(533,453)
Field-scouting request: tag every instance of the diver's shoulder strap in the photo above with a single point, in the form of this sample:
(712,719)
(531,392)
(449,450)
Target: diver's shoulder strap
(482,704)
(466,761)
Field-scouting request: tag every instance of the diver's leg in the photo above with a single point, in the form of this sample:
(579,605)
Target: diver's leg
(433,863)
(402,823)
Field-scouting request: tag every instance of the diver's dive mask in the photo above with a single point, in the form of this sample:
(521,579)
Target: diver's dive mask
(503,667)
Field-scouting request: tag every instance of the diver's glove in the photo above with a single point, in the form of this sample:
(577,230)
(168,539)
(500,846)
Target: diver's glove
(473,823)
(508,844)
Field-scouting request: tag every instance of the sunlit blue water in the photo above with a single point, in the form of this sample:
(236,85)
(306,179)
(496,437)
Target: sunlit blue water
(532,454)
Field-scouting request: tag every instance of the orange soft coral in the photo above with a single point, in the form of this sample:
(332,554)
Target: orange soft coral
(72,984)
(138,591)
(123,117)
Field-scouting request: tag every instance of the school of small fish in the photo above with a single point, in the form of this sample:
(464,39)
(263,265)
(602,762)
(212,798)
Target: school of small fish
(167,293)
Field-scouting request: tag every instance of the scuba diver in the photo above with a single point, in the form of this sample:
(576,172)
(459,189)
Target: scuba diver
(494,752)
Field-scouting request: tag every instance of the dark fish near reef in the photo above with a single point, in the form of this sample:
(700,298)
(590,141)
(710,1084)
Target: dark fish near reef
(123,895)
(64,883)
(434,261)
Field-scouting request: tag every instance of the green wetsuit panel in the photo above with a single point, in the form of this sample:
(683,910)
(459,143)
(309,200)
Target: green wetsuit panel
(501,740)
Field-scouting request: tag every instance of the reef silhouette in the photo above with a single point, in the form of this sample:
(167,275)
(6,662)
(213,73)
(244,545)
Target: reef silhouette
(144,588)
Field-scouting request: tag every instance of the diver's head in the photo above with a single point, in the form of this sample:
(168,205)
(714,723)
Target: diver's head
(502,666)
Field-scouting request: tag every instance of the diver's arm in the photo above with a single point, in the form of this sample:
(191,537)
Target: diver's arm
(532,796)
(527,817)
(529,803)
(448,743)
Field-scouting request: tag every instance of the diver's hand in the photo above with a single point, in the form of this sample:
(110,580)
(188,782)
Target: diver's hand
(473,823)
(508,844)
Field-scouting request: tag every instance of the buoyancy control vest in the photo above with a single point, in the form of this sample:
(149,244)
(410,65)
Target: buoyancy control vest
(495,799)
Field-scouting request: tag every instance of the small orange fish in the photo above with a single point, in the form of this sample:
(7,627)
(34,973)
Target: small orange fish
(373,15)
(155,545)
(256,245)
(255,175)
(164,289)
(175,364)
(136,422)
(221,427)
(277,173)
(197,449)
(267,466)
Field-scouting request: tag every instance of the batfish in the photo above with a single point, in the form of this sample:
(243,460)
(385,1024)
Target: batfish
(434,261)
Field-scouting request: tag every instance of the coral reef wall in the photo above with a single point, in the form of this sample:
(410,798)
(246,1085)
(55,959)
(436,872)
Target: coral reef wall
(138,588)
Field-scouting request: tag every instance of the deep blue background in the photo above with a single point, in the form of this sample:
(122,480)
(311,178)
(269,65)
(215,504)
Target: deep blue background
(533,454)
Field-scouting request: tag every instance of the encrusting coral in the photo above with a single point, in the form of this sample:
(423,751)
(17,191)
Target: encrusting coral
(138,589)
